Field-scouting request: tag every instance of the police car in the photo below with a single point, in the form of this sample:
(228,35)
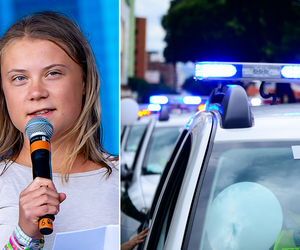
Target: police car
(156,144)
(131,138)
(132,134)
(233,178)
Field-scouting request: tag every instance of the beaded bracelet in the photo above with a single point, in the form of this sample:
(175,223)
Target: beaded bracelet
(26,241)
(21,241)
(14,245)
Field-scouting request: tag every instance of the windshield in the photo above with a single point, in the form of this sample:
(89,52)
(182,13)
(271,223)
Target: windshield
(249,199)
(160,146)
(134,137)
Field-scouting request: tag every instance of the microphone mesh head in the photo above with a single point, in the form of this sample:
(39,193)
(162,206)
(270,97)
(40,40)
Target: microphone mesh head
(38,126)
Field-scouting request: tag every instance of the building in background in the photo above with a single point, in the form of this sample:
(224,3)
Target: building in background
(127,46)
(140,48)
(124,41)
(131,46)
(99,21)
(136,62)
(160,72)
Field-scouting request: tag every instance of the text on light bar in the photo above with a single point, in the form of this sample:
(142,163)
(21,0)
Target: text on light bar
(158,99)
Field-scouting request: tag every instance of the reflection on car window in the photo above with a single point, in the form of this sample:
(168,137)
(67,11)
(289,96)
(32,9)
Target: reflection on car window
(249,198)
(134,137)
(160,147)
(169,198)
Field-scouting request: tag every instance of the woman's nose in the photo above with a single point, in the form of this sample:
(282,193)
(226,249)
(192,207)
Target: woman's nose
(37,91)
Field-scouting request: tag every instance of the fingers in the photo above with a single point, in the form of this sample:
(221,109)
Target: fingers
(40,182)
(145,231)
(62,197)
(139,238)
(142,235)
(38,199)
(43,199)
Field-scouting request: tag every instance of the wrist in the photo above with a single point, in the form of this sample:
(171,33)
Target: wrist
(26,241)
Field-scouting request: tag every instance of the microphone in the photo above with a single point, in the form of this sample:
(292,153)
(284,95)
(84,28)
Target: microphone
(39,132)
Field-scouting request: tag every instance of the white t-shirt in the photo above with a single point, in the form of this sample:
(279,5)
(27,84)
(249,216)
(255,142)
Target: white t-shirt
(92,201)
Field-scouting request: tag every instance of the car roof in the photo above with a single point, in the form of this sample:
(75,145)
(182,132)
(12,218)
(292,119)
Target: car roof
(175,120)
(144,119)
(271,122)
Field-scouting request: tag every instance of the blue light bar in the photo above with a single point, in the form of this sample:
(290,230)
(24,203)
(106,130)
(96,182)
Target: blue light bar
(158,99)
(192,100)
(292,114)
(214,70)
(290,71)
(154,107)
(270,72)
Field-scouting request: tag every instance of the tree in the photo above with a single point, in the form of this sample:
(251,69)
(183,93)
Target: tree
(233,30)
(199,88)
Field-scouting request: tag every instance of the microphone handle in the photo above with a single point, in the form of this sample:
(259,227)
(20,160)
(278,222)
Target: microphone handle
(46,224)
(41,167)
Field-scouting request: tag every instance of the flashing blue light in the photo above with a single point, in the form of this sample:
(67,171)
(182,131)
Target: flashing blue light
(158,99)
(192,100)
(154,107)
(214,70)
(291,114)
(290,71)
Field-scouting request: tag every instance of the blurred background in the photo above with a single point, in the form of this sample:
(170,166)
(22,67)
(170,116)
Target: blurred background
(99,21)
(160,42)
(162,39)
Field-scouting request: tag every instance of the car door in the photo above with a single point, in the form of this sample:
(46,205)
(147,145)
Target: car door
(175,192)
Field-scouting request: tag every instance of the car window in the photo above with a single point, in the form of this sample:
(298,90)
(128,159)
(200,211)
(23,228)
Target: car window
(249,198)
(160,146)
(134,137)
(166,207)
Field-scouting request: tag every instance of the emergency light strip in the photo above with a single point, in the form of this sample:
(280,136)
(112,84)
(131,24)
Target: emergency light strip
(158,99)
(192,100)
(247,71)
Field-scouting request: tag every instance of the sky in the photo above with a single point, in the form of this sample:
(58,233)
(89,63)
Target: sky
(153,11)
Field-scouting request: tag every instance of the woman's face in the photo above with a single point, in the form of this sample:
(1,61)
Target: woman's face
(40,79)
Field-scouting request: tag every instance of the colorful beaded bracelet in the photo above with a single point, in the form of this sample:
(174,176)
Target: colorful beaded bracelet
(26,241)
(21,241)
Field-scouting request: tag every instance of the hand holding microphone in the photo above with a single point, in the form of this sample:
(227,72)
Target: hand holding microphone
(39,132)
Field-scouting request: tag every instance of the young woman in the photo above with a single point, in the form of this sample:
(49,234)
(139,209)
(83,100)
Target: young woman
(48,69)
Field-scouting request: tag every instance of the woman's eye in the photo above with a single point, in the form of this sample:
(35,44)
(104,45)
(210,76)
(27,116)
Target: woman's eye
(53,73)
(19,78)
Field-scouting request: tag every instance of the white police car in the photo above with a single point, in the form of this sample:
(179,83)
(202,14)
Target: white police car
(131,138)
(233,179)
(132,134)
(151,156)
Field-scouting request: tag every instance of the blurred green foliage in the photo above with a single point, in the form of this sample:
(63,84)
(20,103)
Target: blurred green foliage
(233,30)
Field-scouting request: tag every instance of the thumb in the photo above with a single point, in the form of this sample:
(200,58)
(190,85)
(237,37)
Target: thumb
(62,197)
